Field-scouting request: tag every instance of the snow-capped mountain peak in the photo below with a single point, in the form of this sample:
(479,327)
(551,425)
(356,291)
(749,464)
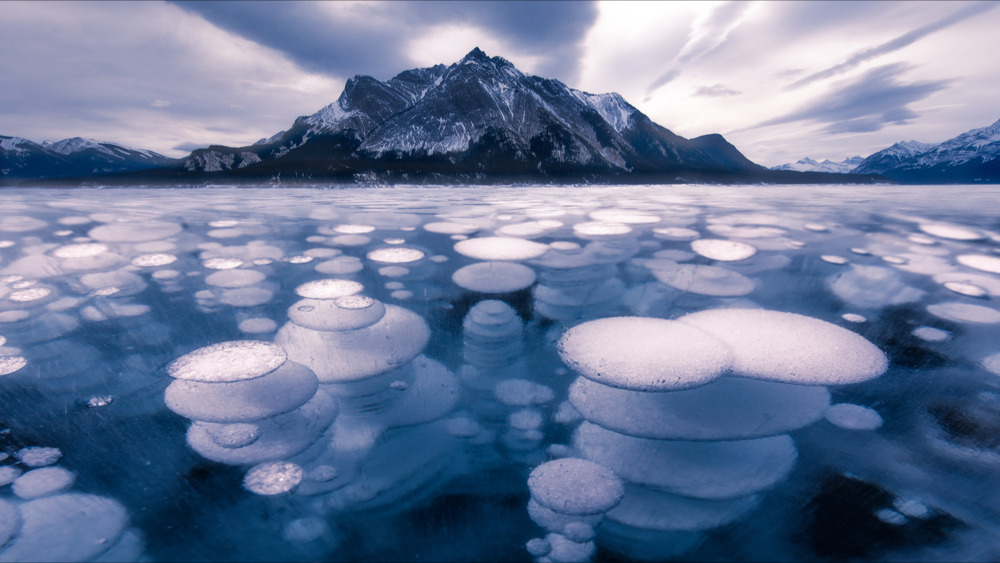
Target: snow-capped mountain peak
(809,165)
(14,144)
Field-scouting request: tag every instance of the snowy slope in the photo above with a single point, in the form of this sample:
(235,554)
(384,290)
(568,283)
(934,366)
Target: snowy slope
(807,164)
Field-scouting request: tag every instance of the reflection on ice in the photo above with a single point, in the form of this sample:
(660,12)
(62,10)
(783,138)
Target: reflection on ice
(691,373)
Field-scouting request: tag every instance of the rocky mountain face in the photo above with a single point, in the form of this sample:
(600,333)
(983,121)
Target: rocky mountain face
(807,164)
(76,157)
(972,157)
(480,119)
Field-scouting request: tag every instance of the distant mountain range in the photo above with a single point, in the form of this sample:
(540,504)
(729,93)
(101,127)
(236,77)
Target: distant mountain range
(479,120)
(970,158)
(21,159)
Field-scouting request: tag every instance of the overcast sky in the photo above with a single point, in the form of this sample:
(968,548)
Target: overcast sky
(781,80)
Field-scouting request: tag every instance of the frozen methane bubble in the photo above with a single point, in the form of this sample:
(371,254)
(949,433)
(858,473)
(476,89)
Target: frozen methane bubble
(8,473)
(575,486)
(11,363)
(281,390)
(396,255)
(134,232)
(229,361)
(853,417)
(84,250)
(930,334)
(37,456)
(235,278)
(233,435)
(42,482)
(500,248)
(992,363)
(982,262)
(451,228)
(644,354)
(273,478)
(991,284)
(952,232)
(28,295)
(597,230)
(853,318)
(729,408)
(258,325)
(494,277)
(967,289)
(703,280)
(964,313)
(834,259)
(723,250)
(87,526)
(791,348)
(349,312)
(328,289)
(153,260)
(222,263)
(522,393)
(676,233)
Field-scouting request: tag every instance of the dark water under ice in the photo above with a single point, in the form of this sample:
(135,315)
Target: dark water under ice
(423,450)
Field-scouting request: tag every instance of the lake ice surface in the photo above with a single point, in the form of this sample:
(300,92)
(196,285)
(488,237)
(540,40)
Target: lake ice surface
(261,374)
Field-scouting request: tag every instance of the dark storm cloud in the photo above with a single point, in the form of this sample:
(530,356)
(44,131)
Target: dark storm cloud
(897,43)
(866,104)
(372,38)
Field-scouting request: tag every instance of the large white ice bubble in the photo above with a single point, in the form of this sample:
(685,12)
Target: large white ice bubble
(702,280)
(575,486)
(280,391)
(500,248)
(328,289)
(728,408)
(952,232)
(872,287)
(644,354)
(713,470)
(42,482)
(791,348)
(134,232)
(964,313)
(229,361)
(982,262)
(349,312)
(723,250)
(66,527)
(273,478)
(494,277)
(648,509)
(395,255)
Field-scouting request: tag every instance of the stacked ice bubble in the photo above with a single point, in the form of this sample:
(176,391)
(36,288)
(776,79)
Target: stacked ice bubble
(248,404)
(367,355)
(693,413)
(42,519)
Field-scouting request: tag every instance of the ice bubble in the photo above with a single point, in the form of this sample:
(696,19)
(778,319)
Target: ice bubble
(328,289)
(126,282)
(676,233)
(522,393)
(153,260)
(711,470)
(394,285)
(982,262)
(11,363)
(401,295)
(853,318)
(349,240)
(396,255)
(394,240)
(235,278)
(243,400)
(530,229)
(20,224)
(834,259)
(911,507)
(992,363)
(44,481)
(963,288)
(565,549)
(8,473)
(353,229)
(951,232)
(226,233)
(300,259)
(816,227)
(525,419)
(233,435)
(340,266)
(703,280)
(464,427)
(872,287)
(500,248)
(890,516)
(985,281)
(575,486)
(7,243)
(85,250)
(304,530)
(964,313)
(494,277)
(14,316)
(538,547)
(623,216)
(861,251)
(10,522)
(894,259)
(257,325)
(393,271)
(451,228)
(930,334)
(66,527)
(597,230)
(37,456)
(853,417)
(566,246)
(322,252)
(350,312)
(222,263)
(438,259)
(791,348)
(229,361)
(273,478)
(723,250)
(644,354)
(134,232)
(28,295)
(246,296)
(648,509)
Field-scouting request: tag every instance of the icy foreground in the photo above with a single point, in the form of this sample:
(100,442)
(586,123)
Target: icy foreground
(540,374)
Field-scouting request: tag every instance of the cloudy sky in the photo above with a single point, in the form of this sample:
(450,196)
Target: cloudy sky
(781,80)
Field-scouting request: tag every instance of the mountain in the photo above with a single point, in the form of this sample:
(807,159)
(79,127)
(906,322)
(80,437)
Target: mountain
(76,157)
(807,164)
(477,120)
(972,157)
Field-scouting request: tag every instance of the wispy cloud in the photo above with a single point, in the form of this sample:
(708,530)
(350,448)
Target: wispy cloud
(715,91)
(708,31)
(865,104)
(895,44)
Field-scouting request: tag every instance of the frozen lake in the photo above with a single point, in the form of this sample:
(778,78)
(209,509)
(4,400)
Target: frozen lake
(741,373)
